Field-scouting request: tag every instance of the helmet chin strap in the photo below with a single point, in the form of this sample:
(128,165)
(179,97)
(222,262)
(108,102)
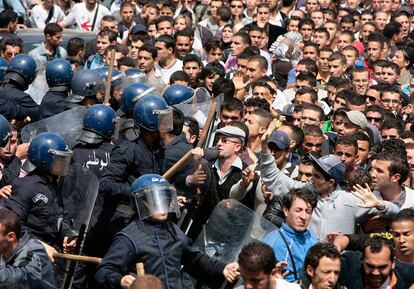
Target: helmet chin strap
(14,76)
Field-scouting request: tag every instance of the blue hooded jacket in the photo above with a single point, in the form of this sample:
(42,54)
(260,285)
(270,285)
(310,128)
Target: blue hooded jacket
(299,244)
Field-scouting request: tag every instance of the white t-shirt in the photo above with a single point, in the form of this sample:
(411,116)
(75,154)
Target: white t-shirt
(167,72)
(82,18)
(39,16)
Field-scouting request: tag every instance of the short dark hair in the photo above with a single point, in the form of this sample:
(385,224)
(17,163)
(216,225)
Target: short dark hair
(164,19)
(398,165)
(376,37)
(338,82)
(310,65)
(404,215)
(258,103)
(52,29)
(391,29)
(212,68)
(127,61)
(375,244)
(107,32)
(361,136)
(392,123)
(7,16)
(360,177)
(149,48)
(314,107)
(312,130)
(311,91)
(257,256)
(168,40)
(75,44)
(244,36)
(261,60)
(10,222)
(317,252)
(306,195)
(179,75)
(232,104)
(193,58)
(307,76)
(225,86)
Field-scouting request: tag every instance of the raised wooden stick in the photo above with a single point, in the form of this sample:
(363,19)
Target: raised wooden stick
(185,158)
(109,78)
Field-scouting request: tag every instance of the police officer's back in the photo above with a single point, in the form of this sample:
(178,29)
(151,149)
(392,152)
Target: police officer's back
(87,88)
(58,76)
(94,146)
(15,103)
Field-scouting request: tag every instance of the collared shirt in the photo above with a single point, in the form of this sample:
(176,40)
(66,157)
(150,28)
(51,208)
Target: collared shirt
(42,56)
(237,163)
(95,61)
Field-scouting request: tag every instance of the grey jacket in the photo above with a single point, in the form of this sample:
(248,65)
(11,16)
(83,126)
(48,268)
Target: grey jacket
(340,211)
(28,265)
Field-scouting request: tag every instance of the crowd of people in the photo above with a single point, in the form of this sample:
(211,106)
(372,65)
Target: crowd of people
(312,130)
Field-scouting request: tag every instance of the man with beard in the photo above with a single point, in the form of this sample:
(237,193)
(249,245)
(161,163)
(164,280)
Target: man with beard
(376,268)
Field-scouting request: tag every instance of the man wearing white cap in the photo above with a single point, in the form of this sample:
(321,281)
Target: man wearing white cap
(225,171)
(348,122)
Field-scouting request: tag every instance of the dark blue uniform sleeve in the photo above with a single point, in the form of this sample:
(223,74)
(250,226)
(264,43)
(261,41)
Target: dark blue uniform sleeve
(12,111)
(11,172)
(19,202)
(115,264)
(114,180)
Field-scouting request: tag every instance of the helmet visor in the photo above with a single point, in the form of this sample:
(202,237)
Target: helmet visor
(165,119)
(96,88)
(156,200)
(60,162)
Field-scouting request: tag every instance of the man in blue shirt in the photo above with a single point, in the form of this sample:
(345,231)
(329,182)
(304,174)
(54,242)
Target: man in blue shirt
(293,240)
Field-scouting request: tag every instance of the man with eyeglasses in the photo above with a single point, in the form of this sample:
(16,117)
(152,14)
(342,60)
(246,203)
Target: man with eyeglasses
(374,115)
(225,171)
(11,48)
(391,99)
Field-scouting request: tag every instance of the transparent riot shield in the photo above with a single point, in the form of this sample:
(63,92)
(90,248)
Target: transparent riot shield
(231,226)
(79,192)
(67,124)
(198,111)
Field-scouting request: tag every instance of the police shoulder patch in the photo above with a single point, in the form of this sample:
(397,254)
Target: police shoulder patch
(40,197)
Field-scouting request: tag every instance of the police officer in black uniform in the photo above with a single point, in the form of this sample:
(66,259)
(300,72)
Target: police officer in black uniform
(129,160)
(87,88)
(35,198)
(94,146)
(92,150)
(14,102)
(157,242)
(58,76)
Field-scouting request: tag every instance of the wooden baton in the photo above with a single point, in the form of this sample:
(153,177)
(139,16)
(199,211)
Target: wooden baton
(109,78)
